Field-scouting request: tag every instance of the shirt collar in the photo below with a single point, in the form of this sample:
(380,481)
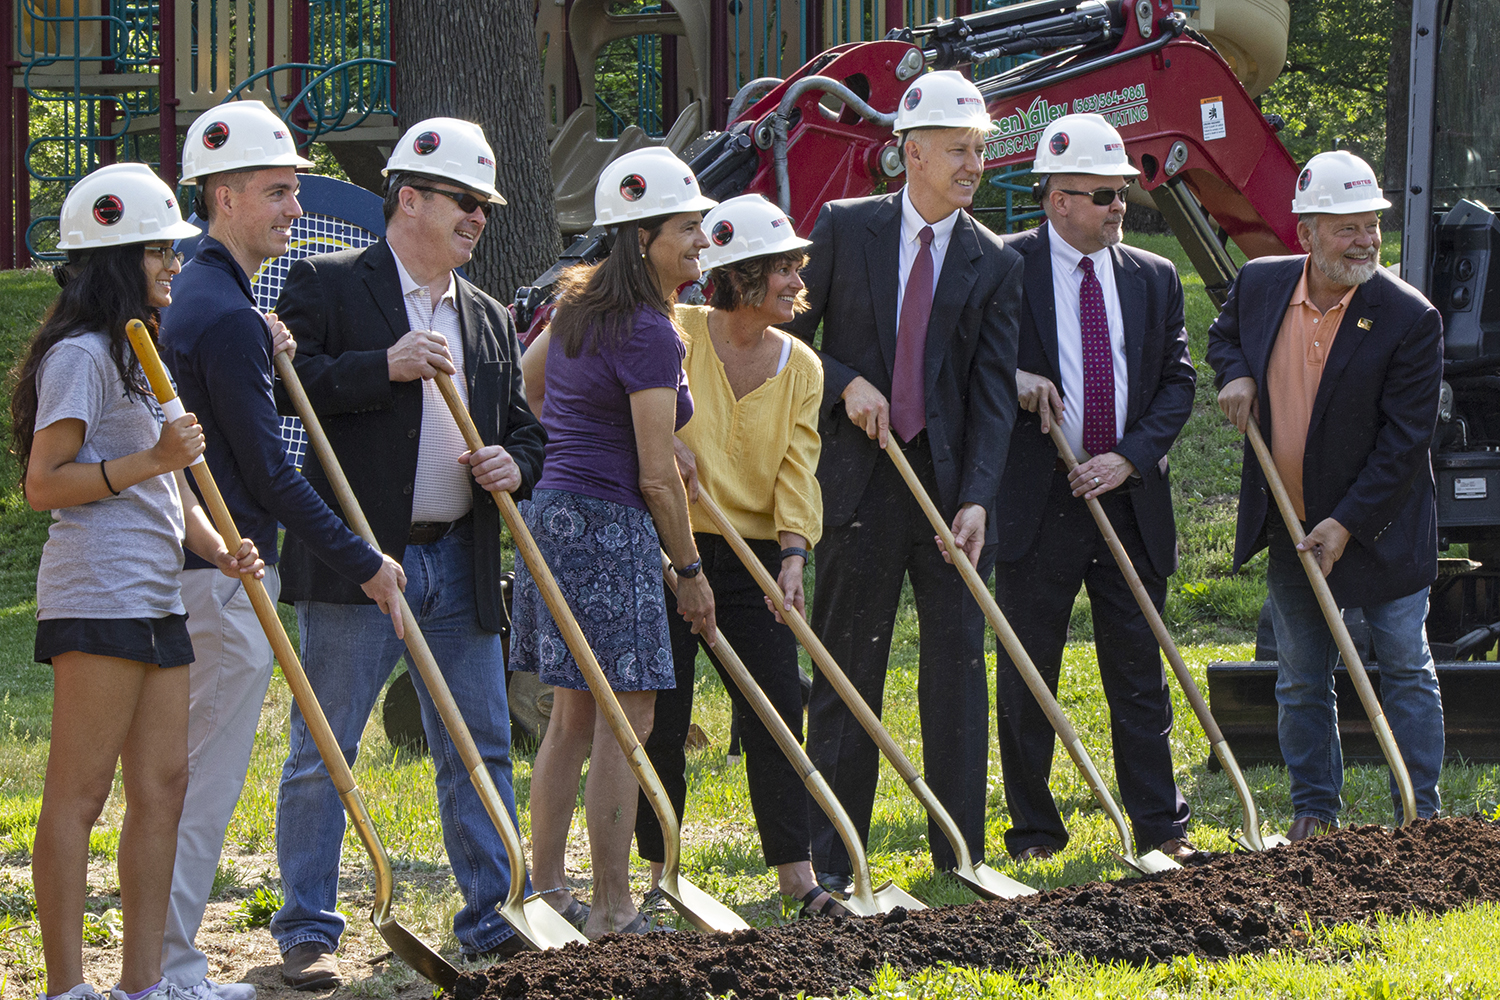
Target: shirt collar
(409,284)
(211,251)
(1300,293)
(1066,257)
(912,221)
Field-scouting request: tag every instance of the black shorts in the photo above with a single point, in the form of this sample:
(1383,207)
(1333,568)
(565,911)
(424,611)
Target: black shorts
(163,641)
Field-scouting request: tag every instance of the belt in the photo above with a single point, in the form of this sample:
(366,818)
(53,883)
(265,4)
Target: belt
(427,532)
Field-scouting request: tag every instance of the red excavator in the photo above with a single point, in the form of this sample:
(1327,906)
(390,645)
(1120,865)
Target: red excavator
(1211,162)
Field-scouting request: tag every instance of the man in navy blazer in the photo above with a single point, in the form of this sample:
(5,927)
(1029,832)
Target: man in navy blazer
(1104,354)
(954,427)
(1349,419)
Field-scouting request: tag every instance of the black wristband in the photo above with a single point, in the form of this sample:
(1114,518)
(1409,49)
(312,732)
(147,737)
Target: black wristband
(689,571)
(107,484)
(793,550)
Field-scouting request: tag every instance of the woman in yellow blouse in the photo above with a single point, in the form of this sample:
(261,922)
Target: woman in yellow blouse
(753,444)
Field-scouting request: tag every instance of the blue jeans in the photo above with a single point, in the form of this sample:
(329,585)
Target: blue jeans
(349,651)
(1307,715)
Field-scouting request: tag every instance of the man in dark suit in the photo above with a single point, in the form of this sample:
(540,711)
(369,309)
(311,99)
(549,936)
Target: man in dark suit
(373,327)
(918,305)
(1104,355)
(1341,365)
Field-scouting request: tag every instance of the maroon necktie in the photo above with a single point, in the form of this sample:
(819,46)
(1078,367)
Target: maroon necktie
(908,408)
(1098,366)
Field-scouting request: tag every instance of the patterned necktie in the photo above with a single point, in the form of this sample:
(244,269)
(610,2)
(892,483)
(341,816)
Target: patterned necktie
(908,407)
(1098,365)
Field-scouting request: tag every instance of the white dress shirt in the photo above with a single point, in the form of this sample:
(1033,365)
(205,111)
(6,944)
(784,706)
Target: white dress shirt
(1067,283)
(911,228)
(442,491)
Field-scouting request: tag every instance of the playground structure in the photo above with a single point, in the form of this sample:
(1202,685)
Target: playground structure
(102,81)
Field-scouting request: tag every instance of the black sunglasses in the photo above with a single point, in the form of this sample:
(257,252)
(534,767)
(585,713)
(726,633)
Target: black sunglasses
(166,254)
(1101,196)
(466,201)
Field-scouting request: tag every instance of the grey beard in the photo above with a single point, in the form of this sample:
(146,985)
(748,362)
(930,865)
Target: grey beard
(1343,273)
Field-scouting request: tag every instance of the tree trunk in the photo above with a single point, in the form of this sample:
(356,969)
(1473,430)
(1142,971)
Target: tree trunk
(1397,114)
(478,60)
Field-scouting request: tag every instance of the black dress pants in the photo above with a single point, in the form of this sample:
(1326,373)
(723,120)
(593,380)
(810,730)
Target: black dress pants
(861,567)
(769,652)
(1036,594)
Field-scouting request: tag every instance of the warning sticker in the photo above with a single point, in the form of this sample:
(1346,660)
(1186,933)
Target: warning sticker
(1213,118)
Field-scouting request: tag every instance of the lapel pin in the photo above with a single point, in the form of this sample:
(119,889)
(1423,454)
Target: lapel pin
(1366,323)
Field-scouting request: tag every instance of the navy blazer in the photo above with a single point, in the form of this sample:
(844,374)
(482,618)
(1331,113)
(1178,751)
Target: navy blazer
(852,278)
(1368,463)
(345,310)
(1159,396)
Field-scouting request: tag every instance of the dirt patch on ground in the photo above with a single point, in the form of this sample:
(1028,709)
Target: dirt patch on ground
(1231,905)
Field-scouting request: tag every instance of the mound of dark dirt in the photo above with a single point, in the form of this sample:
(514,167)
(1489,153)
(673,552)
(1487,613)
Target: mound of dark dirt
(1232,905)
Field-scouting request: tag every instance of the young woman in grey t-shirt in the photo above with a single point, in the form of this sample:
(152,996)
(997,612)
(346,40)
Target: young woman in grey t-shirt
(92,448)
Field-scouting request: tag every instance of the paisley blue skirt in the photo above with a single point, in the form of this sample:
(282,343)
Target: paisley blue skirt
(607,561)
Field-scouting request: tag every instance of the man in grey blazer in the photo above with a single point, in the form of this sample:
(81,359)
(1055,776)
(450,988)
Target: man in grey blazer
(1104,354)
(918,305)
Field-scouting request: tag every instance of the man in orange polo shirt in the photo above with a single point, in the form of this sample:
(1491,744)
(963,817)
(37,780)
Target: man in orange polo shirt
(1340,364)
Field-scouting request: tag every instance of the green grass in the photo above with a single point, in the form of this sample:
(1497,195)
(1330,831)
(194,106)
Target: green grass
(1211,611)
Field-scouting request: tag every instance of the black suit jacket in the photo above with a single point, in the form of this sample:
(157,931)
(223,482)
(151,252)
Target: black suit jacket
(345,310)
(1159,397)
(1367,462)
(852,278)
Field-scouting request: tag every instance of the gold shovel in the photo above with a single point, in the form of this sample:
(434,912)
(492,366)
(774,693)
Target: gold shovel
(1341,637)
(537,923)
(863,901)
(983,879)
(697,906)
(1251,838)
(1151,861)
(403,942)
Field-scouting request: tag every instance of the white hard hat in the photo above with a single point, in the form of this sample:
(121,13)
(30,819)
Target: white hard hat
(240,135)
(646,183)
(449,149)
(745,227)
(1337,183)
(1082,144)
(945,99)
(120,204)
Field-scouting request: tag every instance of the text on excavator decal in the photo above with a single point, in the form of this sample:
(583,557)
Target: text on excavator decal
(1018,133)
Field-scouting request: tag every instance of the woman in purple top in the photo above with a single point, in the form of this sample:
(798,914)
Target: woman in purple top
(609,500)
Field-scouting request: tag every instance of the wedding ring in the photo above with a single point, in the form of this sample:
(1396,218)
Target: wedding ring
(1096,480)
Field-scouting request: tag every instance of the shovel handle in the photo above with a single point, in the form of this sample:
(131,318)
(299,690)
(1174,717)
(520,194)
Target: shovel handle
(604,695)
(416,643)
(1335,619)
(281,645)
(1174,657)
(1017,652)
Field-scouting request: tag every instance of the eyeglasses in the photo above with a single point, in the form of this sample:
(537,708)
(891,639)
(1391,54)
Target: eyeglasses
(466,201)
(166,254)
(1101,196)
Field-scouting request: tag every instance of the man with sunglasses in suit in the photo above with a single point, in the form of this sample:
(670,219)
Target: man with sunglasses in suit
(1104,354)
(374,326)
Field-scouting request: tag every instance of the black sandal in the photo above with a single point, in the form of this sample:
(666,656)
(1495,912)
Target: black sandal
(832,908)
(574,913)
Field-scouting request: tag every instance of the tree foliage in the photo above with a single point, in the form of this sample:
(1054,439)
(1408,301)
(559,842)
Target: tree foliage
(1333,92)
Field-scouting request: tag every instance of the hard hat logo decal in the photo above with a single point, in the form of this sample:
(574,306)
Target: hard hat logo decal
(1361,182)
(108,210)
(216,135)
(278,134)
(427,143)
(1304,180)
(723,232)
(1059,143)
(485,161)
(633,187)
(970,100)
(778,223)
(913,98)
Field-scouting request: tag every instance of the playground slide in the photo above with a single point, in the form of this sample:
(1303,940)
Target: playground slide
(1249,34)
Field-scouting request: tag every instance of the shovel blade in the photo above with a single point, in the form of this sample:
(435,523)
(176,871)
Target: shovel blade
(1150,863)
(540,926)
(1267,841)
(409,948)
(992,884)
(699,908)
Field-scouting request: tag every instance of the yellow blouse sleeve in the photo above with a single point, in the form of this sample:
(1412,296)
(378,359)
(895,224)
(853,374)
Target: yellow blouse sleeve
(798,498)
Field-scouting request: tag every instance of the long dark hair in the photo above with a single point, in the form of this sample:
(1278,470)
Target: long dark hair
(102,291)
(596,303)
